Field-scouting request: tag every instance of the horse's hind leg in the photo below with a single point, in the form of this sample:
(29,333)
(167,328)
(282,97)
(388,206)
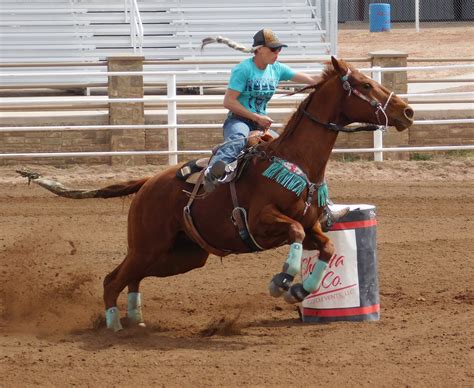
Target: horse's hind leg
(183,256)
(134,304)
(125,274)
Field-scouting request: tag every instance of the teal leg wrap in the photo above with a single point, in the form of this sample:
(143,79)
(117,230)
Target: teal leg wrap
(112,319)
(134,307)
(292,264)
(313,281)
(282,281)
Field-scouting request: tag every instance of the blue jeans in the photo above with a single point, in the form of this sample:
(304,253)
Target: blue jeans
(236,130)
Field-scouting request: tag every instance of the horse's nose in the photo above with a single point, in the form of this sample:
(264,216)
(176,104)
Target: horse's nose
(409,113)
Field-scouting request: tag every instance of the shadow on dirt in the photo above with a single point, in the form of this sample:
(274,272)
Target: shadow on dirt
(223,333)
(218,337)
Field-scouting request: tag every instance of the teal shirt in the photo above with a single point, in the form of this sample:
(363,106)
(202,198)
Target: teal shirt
(257,86)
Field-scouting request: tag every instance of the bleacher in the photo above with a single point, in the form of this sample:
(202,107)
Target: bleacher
(60,31)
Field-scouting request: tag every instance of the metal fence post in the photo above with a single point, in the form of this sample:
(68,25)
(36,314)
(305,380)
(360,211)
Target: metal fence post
(172,120)
(326,19)
(395,81)
(333,25)
(378,139)
(417,15)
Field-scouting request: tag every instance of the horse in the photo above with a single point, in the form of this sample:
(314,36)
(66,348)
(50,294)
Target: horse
(281,194)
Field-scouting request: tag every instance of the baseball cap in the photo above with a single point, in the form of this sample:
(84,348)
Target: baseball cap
(266,37)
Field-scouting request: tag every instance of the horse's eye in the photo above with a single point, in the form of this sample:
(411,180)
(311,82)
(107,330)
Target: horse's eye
(367,86)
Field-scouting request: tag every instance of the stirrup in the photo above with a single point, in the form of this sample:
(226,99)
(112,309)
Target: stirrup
(329,218)
(213,175)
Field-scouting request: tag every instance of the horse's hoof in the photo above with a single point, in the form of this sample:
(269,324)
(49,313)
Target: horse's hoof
(289,298)
(295,294)
(135,318)
(132,323)
(279,284)
(274,290)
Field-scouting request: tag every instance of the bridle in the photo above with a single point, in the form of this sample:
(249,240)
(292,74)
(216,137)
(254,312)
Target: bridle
(373,102)
(379,108)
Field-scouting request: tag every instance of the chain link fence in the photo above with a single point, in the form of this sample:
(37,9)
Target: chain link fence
(404,11)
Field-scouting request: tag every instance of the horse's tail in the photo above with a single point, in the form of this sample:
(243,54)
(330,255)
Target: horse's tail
(121,189)
(112,191)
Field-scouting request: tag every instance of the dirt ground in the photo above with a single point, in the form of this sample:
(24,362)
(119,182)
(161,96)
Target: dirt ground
(217,326)
(356,39)
(434,41)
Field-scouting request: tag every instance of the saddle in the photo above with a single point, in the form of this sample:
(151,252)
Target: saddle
(190,171)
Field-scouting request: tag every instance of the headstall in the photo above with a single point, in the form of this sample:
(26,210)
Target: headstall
(373,102)
(346,85)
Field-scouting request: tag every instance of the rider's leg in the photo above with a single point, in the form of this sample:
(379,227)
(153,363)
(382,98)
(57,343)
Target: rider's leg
(329,217)
(235,135)
(235,138)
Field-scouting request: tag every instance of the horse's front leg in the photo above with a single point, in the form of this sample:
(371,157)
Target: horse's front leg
(272,222)
(315,238)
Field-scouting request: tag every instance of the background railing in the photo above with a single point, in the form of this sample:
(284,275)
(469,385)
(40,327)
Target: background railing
(171,101)
(137,33)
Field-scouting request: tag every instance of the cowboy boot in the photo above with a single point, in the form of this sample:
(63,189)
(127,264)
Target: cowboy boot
(212,176)
(329,217)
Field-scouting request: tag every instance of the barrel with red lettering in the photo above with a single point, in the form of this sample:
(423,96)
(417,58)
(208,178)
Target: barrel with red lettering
(349,290)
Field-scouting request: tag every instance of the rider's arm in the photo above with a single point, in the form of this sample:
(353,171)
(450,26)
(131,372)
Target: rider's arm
(232,103)
(303,78)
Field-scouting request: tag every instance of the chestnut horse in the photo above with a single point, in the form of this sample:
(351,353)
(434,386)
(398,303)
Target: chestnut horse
(160,240)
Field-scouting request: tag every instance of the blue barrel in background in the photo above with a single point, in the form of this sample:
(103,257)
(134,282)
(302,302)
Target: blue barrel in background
(379,17)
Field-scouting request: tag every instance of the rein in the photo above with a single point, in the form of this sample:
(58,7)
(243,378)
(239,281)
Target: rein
(338,128)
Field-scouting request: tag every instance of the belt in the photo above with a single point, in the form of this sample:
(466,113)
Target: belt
(231,115)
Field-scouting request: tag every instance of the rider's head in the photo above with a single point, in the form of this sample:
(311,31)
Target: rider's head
(266,43)
(267,38)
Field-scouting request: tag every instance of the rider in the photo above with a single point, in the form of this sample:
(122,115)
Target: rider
(252,84)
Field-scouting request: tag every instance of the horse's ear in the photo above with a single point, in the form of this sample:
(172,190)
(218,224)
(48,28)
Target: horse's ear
(338,66)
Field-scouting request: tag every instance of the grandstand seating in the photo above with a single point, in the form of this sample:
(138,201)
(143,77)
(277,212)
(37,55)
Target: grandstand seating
(50,31)
(57,30)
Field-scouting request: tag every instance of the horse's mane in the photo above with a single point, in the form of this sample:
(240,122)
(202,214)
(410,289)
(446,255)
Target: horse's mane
(295,118)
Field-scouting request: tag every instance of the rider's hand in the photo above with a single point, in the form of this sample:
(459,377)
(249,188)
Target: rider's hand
(264,121)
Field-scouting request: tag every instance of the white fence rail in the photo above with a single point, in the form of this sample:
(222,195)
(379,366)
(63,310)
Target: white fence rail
(171,100)
(44,101)
(210,72)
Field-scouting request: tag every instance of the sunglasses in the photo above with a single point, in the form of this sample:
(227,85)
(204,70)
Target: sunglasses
(275,49)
